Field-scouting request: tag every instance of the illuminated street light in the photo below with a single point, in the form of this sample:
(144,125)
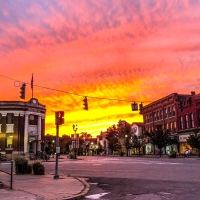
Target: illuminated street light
(75,128)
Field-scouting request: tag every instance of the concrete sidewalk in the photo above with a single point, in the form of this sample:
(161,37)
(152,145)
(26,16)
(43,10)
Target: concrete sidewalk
(38,187)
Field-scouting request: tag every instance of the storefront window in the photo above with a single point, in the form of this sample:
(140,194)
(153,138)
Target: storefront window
(9,141)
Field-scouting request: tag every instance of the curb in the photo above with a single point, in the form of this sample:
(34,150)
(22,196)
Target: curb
(83,192)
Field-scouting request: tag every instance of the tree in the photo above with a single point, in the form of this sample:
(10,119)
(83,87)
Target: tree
(159,138)
(125,135)
(84,140)
(194,140)
(112,137)
(136,142)
(64,143)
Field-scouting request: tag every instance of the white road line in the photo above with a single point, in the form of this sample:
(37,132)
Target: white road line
(96,196)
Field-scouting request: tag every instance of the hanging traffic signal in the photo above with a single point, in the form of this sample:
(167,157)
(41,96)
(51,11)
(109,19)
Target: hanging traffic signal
(180,105)
(23,90)
(59,117)
(134,106)
(85,103)
(141,107)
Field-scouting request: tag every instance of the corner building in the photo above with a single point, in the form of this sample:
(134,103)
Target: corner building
(22,126)
(165,114)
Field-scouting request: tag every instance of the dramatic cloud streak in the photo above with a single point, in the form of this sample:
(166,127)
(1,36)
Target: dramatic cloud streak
(131,50)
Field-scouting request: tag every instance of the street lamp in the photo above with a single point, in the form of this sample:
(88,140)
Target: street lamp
(75,128)
(126,144)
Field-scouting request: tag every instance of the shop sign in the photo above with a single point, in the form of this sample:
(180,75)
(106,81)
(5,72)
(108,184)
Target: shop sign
(183,138)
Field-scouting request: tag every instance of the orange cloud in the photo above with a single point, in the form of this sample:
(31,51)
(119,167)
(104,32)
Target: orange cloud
(128,50)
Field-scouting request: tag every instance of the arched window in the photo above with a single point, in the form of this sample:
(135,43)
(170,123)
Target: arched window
(192,120)
(181,122)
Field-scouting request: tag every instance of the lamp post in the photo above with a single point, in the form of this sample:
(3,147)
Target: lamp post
(126,144)
(75,128)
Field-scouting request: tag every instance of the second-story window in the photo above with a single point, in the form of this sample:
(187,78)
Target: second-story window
(169,112)
(158,116)
(186,122)
(165,112)
(192,120)
(10,118)
(173,110)
(161,114)
(155,116)
(174,126)
(181,122)
(0,118)
(33,119)
(199,117)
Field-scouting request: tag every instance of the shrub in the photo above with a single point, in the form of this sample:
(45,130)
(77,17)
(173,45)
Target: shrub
(21,165)
(29,168)
(38,168)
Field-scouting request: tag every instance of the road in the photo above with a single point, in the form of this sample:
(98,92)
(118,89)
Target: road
(135,178)
(138,178)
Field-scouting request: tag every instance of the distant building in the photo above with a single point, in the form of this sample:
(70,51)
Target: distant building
(165,114)
(22,126)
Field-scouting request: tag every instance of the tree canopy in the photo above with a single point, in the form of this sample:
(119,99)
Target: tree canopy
(160,139)
(112,137)
(194,140)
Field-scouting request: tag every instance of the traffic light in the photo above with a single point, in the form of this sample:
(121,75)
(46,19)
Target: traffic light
(23,90)
(180,105)
(134,106)
(85,103)
(59,117)
(141,107)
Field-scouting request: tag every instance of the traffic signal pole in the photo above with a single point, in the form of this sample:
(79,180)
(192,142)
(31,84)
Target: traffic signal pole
(57,150)
(59,120)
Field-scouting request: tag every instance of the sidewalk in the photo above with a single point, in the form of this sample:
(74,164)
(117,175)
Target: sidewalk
(42,187)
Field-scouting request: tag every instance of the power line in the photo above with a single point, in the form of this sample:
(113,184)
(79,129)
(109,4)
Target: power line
(112,99)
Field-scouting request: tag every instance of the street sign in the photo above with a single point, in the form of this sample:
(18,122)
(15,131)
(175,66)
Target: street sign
(57,149)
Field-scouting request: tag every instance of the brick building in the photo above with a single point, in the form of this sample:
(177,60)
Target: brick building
(22,126)
(165,114)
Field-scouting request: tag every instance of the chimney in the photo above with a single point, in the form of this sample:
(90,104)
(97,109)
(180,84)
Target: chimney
(192,93)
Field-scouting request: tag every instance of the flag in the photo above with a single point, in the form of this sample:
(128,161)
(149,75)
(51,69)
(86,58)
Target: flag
(32,82)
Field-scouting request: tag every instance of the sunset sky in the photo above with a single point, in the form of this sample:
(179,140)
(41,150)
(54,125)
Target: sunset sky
(132,50)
